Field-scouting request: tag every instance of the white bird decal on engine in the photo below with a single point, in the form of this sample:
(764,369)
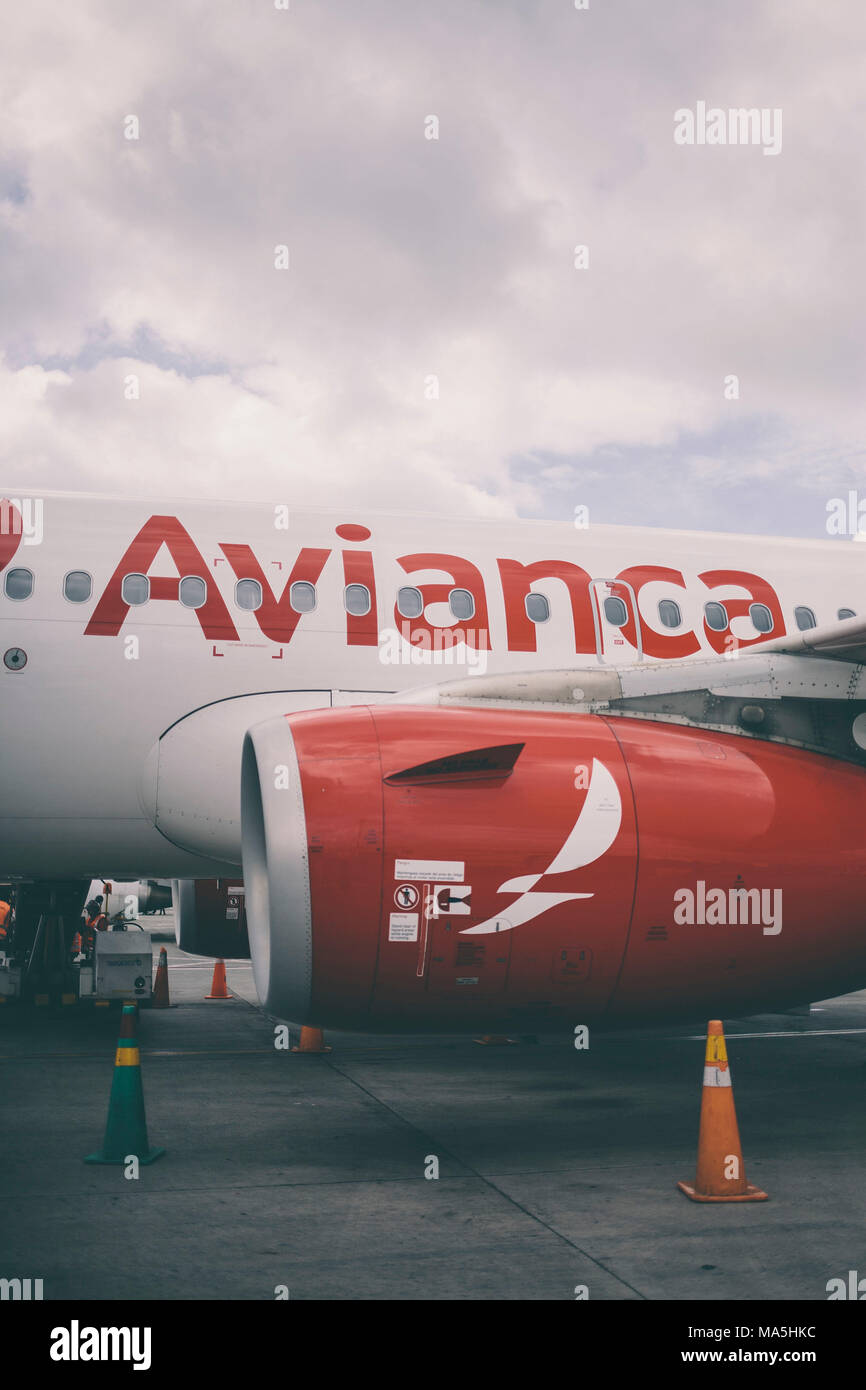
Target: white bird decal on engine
(591,836)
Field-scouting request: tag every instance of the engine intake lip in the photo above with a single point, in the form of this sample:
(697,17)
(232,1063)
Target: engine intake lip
(276,870)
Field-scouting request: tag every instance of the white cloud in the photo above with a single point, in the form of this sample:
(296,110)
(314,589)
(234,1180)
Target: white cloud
(412,258)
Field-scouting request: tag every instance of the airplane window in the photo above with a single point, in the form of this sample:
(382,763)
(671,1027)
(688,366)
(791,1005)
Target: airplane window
(410,603)
(302,596)
(846,613)
(615,611)
(537,608)
(248,594)
(761,617)
(192,591)
(669,612)
(462,604)
(77,586)
(717,616)
(18,584)
(135,589)
(805,618)
(357,599)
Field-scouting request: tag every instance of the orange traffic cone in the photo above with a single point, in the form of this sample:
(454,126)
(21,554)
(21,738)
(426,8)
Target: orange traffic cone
(218,983)
(160,999)
(312,1040)
(720,1176)
(493,1040)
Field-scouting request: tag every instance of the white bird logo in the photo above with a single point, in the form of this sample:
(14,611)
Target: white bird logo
(591,836)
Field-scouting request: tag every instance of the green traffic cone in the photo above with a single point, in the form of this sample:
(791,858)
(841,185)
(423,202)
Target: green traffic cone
(126,1128)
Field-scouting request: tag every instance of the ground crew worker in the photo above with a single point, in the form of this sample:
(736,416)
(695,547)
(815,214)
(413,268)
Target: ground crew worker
(96,920)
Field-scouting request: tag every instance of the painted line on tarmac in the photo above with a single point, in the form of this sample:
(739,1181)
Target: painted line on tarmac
(208,1052)
(798,1033)
(145,1052)
(435,1146)
(229,965)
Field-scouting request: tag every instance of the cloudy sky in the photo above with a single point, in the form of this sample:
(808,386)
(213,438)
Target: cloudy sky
(419,265)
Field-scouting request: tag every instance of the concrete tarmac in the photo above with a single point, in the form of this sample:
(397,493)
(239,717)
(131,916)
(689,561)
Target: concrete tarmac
(557,1167)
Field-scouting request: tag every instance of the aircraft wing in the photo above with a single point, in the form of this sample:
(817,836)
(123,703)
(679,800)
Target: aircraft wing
(807,690)
(842,641)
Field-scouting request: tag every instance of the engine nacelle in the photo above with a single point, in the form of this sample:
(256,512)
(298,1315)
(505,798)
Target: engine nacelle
(210,917)
(135,899)
(412,868)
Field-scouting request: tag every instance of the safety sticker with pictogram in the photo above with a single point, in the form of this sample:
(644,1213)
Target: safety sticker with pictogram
(407,896)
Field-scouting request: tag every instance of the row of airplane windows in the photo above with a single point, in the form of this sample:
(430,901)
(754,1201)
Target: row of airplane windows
(18,584)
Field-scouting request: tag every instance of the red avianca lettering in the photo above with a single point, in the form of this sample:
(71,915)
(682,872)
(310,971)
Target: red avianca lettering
(278,620)
(464,575)
(757,590)
(674,644)
(276,617)
(517,580)
(112,608)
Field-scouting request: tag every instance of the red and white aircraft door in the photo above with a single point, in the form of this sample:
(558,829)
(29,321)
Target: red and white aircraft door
(614,609)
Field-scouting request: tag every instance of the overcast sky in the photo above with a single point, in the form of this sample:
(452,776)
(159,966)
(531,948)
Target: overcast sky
(452,258)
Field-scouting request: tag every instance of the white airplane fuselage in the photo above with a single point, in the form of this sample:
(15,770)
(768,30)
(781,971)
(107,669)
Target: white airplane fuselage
(89,687)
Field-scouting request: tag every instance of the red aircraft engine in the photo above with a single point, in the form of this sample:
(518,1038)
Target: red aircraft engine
(411,868)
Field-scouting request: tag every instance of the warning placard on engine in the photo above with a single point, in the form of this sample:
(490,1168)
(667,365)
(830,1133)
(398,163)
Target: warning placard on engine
(430,870)
(403,926)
